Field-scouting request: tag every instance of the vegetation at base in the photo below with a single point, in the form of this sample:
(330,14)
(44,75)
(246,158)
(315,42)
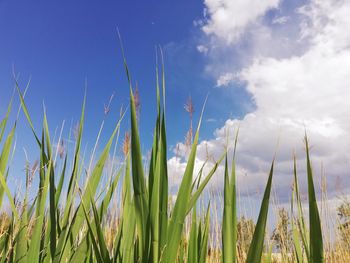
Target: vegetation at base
(82,224)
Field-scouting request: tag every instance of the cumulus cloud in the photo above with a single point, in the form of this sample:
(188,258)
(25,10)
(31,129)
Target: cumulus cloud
(306,90)
(228,19)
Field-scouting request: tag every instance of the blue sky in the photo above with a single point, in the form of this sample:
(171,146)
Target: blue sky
(274,67)
(59,45)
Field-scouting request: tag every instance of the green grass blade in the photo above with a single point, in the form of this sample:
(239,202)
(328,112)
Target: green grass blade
(296,240)
(203,184)
(139,185)
(60,182)
(34,248)
(256,247)
(192,254)
(100,236)
(164,168)
(26,113)
(4,158)
(5,119)
(182,201)
(163,210)
(73,178)
(128,217)
(316,240)
(82,249)
(9,196)
(204,243)
(301,222)
(97,253)
(21,244)
(93,181)
(102,210)
(229,225)
(154,211)
(52,224)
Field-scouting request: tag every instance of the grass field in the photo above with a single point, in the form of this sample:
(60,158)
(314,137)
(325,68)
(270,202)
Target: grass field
(84,223)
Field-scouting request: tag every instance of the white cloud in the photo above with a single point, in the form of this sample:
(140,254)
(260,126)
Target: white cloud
(225,79)
(210,120)
(308,89)
(228,19)
(280,20)
(202,49)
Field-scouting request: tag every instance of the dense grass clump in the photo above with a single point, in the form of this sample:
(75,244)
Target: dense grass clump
(77,225)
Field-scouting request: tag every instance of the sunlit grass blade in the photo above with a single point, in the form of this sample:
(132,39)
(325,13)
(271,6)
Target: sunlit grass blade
(257,244)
